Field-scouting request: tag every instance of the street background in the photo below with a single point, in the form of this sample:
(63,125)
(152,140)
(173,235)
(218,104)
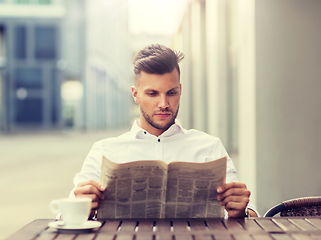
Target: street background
(250,76)
(39,167)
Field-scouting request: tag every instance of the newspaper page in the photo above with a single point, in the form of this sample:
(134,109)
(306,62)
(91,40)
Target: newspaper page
(191,189)
(153,189)
(134,190)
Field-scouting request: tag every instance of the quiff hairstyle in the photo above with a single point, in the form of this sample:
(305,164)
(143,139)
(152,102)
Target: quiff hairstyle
(156,59)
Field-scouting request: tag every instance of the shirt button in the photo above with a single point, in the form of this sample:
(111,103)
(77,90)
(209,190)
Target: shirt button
(145,132)
(158,140)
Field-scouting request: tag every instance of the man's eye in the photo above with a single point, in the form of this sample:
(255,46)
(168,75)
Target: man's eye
(172,93)
(151,94)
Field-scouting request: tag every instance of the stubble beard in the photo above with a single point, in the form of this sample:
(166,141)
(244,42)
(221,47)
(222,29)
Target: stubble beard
(156,125)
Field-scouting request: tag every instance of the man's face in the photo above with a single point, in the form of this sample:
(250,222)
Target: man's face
(158,98)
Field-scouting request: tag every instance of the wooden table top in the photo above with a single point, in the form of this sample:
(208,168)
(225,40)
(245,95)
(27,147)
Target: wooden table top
(178,229)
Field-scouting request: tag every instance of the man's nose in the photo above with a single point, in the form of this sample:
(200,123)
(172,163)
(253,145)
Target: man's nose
(163,102)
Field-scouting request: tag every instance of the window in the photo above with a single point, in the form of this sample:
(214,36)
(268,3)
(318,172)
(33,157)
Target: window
(34,2)
(22,1)
(44,2)
(29,111)
(2,43)
(45,43)
(28,78)
(20,42)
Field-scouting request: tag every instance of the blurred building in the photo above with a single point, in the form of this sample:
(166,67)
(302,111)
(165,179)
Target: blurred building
(251,76)
(30,49)
(108,70)
(64,64)
(209,76)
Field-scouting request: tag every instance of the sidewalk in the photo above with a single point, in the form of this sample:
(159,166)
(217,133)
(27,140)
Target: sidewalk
(36,168)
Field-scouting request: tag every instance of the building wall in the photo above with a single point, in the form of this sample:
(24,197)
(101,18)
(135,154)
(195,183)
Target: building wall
(242,51)
(288,57)
(30,49)
(208,98)
(108,79)
(98,54)
(182,43)
(90,42)
(262,90)
(30,78)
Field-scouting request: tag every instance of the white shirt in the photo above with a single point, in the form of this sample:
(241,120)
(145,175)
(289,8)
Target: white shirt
(175,144)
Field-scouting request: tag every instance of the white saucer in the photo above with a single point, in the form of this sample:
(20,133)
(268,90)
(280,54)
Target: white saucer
(60,225)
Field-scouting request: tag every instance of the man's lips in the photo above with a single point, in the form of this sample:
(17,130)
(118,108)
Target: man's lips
(163,114)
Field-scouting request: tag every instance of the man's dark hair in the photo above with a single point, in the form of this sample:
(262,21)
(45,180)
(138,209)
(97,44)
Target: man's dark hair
(157,59)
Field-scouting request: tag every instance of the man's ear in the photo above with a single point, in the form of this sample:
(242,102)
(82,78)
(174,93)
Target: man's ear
(134,94)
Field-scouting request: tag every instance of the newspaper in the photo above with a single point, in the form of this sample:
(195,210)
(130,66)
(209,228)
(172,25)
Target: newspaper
(155,189)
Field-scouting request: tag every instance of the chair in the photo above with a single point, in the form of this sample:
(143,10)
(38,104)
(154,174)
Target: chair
(306,206)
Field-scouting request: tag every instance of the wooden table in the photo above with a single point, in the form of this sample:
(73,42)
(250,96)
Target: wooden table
(177,229)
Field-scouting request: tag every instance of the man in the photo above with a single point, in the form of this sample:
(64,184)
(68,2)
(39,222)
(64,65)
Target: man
(158,136)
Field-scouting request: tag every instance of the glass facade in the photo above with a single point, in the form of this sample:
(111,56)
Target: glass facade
(29,78)
(45,43)
(36,65)
(28,2)
(40,2)
(44,2)
(28,111)
(20,41)
(32,85)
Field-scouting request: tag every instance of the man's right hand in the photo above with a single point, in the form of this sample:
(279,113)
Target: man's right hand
(93,190)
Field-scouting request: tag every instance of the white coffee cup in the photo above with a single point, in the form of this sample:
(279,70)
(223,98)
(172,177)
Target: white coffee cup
(74,211)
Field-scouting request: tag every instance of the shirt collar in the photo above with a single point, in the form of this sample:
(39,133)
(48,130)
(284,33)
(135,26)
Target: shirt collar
(138,132)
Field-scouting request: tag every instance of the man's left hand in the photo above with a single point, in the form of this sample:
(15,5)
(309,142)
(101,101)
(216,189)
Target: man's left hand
(235,197)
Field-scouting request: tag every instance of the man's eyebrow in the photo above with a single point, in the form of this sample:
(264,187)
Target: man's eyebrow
(175,88)
(153,90)
(150,90)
